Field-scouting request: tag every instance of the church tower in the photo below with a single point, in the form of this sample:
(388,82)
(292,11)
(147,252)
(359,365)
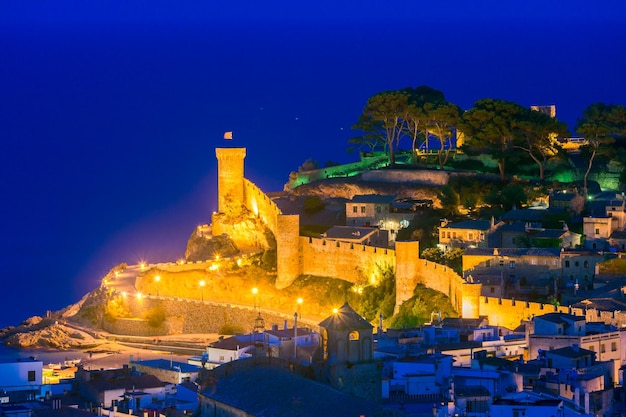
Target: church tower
(347,350)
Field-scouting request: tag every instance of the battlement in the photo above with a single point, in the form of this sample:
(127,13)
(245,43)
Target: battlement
(298,255)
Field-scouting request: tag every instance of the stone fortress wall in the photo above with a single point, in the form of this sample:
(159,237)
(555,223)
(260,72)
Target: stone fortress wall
(184,316)
(298,255)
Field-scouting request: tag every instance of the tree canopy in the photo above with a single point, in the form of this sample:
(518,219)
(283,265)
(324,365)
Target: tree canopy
(600,125)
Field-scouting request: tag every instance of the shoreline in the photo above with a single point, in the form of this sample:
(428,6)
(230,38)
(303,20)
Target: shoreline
(109,355)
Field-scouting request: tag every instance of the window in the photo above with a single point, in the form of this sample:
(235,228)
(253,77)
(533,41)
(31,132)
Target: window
(453,235)
(31,376)
(492,289)
(576,264)
(512,264)
(488,263)
(566,264)
(355,209)
(362,209)
(597,231)
(602,348)
(470,236)
(354,335)
(556,262)
(586,264)
(379,209)
(613,346)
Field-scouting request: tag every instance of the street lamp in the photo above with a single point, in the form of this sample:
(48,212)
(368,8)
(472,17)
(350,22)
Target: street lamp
(202,284)
(157,279)
(255,291)
(300,301)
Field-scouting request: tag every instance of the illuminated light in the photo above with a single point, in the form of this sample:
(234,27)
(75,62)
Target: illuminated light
(335,310)
(117,273)
(123,293)
(139,296)
(157,278)
(202,284)
(142,265)
(238,262)
(255,290)
(217,257)
(300,300)
(214,267)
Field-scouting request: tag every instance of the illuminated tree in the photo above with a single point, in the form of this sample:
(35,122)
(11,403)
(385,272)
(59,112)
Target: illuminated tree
(418,118)
(384,118)
(489,128)
(442,121)
(600,125)
(534,134)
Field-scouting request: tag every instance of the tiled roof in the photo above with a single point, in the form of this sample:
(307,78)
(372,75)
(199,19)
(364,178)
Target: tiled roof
(166,364)
(570,352)
(372,199)
(602,304)
(471,391)
(348,232)
(512,252)
(265,391)
(560,317)
(470,224)
(523,215)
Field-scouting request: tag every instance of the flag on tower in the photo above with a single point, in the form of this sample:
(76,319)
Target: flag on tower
(228,135)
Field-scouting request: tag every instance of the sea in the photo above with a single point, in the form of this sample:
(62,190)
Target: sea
(108,131)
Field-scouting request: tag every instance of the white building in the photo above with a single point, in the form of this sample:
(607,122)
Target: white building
(21,374)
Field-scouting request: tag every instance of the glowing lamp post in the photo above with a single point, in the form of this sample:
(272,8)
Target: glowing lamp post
(157,279)
(295,330)
(255,291)
(202,284)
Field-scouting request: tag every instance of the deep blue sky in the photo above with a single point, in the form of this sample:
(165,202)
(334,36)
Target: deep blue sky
(110,111)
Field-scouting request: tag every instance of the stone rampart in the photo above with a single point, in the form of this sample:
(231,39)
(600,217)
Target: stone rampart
(443,279)
(366,164)
(188,316)
(348,261)
(261,205)
(425,177)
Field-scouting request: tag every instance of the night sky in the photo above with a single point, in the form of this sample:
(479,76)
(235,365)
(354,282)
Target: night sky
(110,111)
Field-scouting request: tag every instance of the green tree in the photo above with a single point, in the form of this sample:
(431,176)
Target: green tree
(534,135)
(449,199)
(600,125)
(489,127)
(417,117)
(384,117)
(433,255)
(442,121)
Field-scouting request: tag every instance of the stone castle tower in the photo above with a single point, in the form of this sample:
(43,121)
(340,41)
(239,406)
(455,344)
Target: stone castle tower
(230,176)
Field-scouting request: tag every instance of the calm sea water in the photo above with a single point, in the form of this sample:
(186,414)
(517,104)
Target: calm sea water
(108,133)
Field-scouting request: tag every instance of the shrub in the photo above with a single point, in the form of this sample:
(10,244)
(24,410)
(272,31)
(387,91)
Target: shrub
(156,316)
(313,204)
(230,329)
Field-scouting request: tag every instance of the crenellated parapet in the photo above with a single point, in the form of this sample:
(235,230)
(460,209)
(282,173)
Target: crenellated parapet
(361,264)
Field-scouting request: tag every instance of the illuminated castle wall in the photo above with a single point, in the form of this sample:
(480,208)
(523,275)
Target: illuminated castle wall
(359,264)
